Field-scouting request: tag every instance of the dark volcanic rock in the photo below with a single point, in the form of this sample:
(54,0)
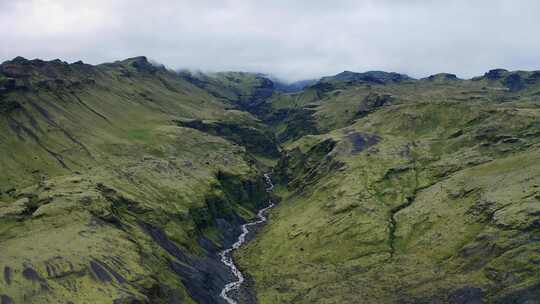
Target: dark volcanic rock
(161,239)
(30,274)
(514,82)
(99,272)
(534,77)
(362,141)
(256,140)
(323,87)
(7,275)
(8,106)
(203,276)
(4,299)
(26,75)
(466,295)
(372,102)
(495,74)
(12,84)
(527,295)
(299,122)
(141,64)
(310,166)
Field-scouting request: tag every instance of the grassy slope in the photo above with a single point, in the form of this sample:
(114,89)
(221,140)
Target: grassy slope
(443,208)
(91,157)
(411,191)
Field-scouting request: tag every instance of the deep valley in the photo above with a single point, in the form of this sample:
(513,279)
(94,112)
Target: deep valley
(122,182)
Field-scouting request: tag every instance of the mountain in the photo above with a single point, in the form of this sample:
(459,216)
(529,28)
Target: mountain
(376,77)
(513,81)
(121,182)
(409,191)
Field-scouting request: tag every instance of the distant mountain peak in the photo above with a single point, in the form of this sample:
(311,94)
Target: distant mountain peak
(441,77)
(496,74)
(374,77)
(141,64)
(512,80)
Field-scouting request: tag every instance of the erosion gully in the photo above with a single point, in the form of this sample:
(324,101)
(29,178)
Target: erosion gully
(226,255)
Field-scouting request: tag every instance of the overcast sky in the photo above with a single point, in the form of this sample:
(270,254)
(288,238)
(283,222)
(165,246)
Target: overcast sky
(289,39)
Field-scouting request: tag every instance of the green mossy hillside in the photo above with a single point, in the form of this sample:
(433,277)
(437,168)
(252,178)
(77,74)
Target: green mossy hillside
(422,198)
(104,197)
(121,182)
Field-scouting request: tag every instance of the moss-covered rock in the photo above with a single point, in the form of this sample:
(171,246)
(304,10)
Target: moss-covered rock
(254,138)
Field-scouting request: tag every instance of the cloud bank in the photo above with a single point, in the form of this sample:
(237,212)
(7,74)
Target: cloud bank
(290,39)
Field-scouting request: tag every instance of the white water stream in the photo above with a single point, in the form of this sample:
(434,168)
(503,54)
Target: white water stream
(226,255)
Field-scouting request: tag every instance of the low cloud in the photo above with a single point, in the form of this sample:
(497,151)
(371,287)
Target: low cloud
(290,39)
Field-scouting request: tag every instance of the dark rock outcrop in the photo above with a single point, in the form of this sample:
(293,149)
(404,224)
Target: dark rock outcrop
(467,295)
(361,141)
(256,140)
(525,295)
(495,74)
(5,299)
(298,122)
(8,106)
(514,82)
(297,169)
(204,275)
(142,64)
(372,102)
(21,74)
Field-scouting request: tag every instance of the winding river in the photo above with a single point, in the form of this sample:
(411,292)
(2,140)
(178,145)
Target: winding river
(226,255)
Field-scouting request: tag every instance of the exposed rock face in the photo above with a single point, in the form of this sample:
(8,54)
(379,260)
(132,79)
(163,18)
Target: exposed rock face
(299,170)
(361,141)
(298,122)
(495,74)
(323,87)
(514,82)
(8,106)
(141,64)
(204,276)
(255,139)
(372,102)
(21,74)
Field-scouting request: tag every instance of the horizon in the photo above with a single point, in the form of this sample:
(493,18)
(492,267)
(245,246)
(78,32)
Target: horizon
(293,41)
(265,74)
(269,151)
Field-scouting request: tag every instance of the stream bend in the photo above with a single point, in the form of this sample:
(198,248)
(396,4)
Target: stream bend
(226,255)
